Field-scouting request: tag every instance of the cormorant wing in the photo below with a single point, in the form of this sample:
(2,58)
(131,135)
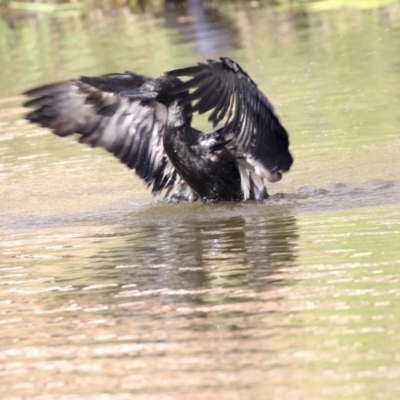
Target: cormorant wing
(116,83)
(258,137)
(92,108)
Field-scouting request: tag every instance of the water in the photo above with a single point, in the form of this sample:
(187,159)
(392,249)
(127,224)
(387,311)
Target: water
(106,293)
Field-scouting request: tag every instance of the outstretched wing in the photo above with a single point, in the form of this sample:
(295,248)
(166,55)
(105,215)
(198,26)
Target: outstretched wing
(92,108)
(224,88)
(116,83)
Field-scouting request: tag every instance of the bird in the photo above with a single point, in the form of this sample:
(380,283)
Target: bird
(147,124)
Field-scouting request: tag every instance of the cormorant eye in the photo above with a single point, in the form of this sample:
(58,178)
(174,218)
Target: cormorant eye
(150,87)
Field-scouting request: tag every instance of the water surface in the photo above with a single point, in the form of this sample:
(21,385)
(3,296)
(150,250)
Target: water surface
(107,293)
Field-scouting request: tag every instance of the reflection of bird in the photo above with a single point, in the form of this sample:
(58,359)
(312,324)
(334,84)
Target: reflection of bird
(220,248)
(146,123)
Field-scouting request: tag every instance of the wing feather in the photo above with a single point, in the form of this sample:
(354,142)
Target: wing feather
(224,88)
(92,108)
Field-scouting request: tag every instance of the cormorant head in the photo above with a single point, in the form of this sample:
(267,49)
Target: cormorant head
(160,90)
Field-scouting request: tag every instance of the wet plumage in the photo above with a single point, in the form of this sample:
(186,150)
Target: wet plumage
(146,123)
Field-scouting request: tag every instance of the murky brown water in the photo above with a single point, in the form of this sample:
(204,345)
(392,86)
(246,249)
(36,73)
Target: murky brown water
(108,294)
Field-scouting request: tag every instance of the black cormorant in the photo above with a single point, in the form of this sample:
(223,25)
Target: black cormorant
(146,123)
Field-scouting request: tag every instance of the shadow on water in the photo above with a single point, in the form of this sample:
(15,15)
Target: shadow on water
(192,250)
(192,257)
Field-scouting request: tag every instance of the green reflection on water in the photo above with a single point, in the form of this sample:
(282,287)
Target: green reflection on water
(347,298)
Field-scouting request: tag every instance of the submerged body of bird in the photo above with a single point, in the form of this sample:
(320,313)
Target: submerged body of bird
(146,123)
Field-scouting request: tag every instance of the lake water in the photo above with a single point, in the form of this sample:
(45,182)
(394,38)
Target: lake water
(107,293)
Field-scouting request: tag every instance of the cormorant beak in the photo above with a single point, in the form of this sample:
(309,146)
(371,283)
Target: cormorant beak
(138,94)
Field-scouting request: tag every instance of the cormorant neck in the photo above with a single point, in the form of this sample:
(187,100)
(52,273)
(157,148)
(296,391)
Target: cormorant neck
(177,115)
